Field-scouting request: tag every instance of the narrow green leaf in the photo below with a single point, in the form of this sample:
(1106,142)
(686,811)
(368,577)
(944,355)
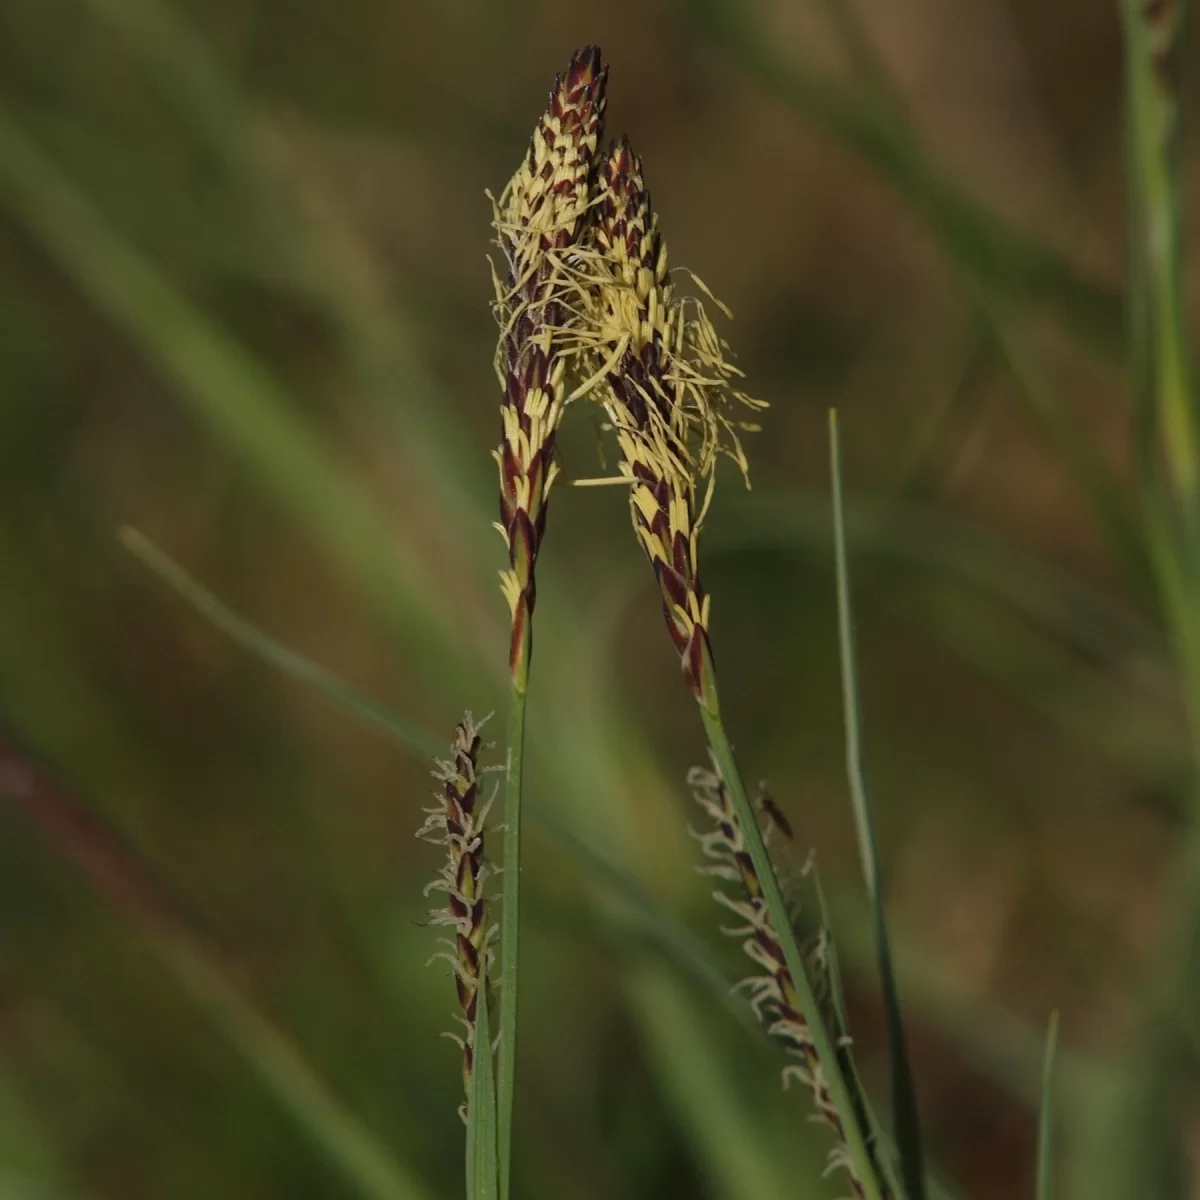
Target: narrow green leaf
(482,1177)
(884,1141)
(1139,1141)
(1000,256)
(398,729)
(102,860)
(510,920)
(941,546)
(1045,1158)
(905,1118)
(230,392)
(1153,43)
(676,941)
(1003,268)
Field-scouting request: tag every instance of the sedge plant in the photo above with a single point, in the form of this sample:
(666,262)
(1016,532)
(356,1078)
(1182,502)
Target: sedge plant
(588,308)
(539,219)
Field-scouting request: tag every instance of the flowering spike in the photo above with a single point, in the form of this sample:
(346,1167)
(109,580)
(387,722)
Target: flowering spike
(658,367)
(772,992)
(457,822)
(541,220)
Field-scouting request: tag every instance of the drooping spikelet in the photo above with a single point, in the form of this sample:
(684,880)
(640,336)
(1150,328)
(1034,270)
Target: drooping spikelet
(661,374)
(457,822)
(541,221)
(772,991)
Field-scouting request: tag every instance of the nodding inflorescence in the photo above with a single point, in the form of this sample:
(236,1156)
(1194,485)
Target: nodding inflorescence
(457,822)
(639,335)
(771,990)
(659,369)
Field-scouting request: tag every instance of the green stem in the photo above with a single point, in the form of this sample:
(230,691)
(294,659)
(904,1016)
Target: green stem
(1045,1189)
(510,919)
(904,1098)
(839,1090)
(1153,116)
(1147,1154)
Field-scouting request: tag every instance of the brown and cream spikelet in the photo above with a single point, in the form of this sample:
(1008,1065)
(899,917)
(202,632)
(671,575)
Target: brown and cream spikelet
(457,822)
(660,371)
(541,222)
(772,991)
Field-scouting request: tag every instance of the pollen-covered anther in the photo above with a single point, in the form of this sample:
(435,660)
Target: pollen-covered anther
(541,221)
(659,370)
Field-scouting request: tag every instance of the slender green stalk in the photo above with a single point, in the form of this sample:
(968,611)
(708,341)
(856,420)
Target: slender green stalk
(1144,1147)
(399,729)
(1002,267)
(510,916)
(856,1145)
(1002,258)
(482,1179)
(1152,42)
(1045,1158)
(229,391)
(539,217)
(904,1098)
(664,383)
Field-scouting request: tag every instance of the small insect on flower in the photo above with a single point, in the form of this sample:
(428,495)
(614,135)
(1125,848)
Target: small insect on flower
(774,814)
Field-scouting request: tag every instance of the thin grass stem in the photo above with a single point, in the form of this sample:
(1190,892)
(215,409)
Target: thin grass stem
(904,1098)
(1045,1160)
(1143,1146)
(403,732)
(510,916)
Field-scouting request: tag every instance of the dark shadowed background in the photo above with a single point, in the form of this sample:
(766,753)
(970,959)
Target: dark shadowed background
(244,308)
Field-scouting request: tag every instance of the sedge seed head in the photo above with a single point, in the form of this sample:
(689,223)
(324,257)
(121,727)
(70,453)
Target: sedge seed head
(663,367)
(541,219)
(456,821)
(771,989)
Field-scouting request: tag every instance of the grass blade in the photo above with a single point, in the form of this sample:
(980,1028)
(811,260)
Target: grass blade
(398,729)
(1140,1140)
(905,1117)
(1000,265)
(482,1179)
(1045,1158)
(228,389)
(510,918)
(674,939)
(1153,36)
(1003,258)
(115,873)
(648,923)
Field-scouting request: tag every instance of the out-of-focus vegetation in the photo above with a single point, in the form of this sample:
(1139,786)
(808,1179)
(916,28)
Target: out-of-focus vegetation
(244,309)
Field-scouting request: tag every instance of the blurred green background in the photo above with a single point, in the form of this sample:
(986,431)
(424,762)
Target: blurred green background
(244,307)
